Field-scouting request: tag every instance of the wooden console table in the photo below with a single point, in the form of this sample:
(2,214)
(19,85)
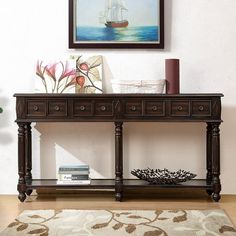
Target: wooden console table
(118,108)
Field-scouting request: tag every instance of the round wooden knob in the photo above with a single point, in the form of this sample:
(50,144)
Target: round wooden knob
(82,108)
(200,108)
(57,108)
(154,108)
(103,108)
(133,108)
(36,108)
(180,108)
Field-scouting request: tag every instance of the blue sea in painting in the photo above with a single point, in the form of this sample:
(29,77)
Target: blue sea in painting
(128,34)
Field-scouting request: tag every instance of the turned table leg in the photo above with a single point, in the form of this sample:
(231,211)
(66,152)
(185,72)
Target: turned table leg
(209,157)
(216,161)
(28,156)
(118,161)
(21,187)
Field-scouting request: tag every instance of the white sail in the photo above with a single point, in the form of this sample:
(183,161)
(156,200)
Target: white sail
(113,11)
(109,10)
(117,10)
(122,4)
(108,4)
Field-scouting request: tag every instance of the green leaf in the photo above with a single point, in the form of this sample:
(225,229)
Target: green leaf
(94,74)
(94,61)
(78,89)
(90,90)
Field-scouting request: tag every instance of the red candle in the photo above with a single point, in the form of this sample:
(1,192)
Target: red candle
(172,76)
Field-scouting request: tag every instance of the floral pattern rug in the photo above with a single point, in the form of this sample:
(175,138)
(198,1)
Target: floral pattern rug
(121,222)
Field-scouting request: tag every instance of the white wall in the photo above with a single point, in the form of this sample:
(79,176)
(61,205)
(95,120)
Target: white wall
(201,33)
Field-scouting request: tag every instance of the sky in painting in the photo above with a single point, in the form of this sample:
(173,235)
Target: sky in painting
(140,12)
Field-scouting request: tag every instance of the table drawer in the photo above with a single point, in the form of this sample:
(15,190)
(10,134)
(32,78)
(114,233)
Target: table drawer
(154,108)
(103,108)
(133,108)
(180,108)
(201,108)
(57,108)
(83,108)
(36,108)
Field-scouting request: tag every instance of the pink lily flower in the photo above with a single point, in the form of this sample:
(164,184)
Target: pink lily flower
(51,71)
(67,72)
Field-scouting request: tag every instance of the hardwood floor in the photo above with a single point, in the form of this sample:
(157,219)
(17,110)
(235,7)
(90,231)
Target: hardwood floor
(10,206)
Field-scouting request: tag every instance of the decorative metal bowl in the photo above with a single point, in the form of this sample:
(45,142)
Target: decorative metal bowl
(157,176)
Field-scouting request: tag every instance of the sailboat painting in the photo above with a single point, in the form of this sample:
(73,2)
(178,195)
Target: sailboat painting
(119,23)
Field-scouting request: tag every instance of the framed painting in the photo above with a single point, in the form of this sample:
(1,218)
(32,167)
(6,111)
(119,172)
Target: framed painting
(116,24)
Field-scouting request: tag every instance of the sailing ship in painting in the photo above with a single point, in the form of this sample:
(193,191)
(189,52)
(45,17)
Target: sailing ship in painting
(113,16)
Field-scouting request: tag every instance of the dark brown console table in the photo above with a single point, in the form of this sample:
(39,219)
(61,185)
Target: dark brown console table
(118,108)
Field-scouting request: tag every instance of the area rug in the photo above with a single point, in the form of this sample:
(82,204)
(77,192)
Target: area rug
(121,222)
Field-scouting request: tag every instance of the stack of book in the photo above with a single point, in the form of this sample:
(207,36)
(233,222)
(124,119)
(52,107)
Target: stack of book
(73,174)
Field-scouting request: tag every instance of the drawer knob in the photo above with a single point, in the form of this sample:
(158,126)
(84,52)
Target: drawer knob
(103,108)
(57,108)
(154,108)
(179,108)
(82,108)
(133,108)
(200,108)
(36,108)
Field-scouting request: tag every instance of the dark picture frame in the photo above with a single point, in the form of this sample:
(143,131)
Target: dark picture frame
(74,31)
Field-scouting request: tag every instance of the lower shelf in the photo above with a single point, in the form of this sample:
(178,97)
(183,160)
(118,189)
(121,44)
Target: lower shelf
(52,183)
(110,184)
